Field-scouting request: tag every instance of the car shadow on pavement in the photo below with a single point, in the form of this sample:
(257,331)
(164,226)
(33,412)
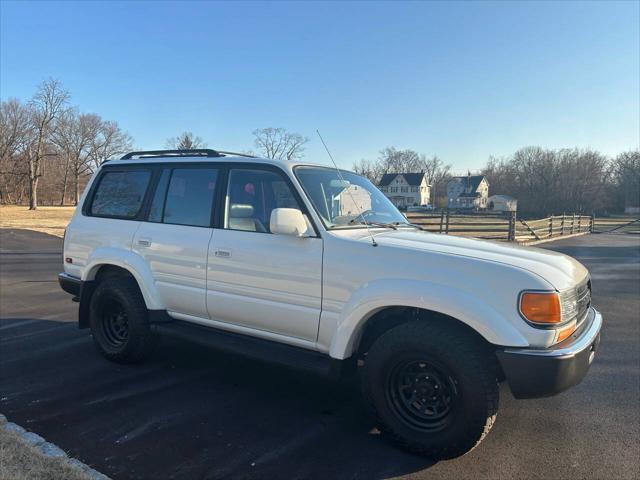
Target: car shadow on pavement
(188,411)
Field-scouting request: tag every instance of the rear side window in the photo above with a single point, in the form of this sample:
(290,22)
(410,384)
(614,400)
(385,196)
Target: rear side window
(189,199)
(120,194)
(157,205)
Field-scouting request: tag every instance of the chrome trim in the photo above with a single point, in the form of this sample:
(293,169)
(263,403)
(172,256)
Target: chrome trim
(574,346)
(541,326)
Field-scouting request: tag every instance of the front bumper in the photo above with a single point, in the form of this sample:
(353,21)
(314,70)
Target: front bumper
(535,373)
(69,284)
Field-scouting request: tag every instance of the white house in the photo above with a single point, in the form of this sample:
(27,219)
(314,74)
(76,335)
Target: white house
(502,203)
(352,201)
(471,191)
(406,189)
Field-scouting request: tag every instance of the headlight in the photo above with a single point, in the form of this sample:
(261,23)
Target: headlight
(569,304)
(555,310)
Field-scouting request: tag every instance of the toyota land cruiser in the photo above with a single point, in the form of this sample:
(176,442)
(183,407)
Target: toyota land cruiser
(313,267)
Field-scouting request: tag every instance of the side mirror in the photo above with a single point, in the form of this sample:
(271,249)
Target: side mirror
(288,221)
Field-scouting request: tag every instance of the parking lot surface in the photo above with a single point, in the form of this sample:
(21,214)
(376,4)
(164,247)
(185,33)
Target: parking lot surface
(190,412)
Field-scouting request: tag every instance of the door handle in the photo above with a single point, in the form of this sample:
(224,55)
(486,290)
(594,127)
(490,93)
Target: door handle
(144,242)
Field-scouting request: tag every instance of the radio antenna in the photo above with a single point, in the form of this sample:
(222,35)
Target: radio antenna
(366,224)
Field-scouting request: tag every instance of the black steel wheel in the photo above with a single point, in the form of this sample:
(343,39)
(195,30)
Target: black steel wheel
(119,320)
(115,323)
(422,393)
(431,387)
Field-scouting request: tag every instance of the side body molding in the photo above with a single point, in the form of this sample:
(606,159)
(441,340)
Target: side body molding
(379,294)
(131,262)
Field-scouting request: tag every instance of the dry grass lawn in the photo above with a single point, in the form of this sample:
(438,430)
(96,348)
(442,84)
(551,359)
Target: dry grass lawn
(51,220)
(21,461)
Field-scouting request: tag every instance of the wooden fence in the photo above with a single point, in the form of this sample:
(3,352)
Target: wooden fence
(498,226)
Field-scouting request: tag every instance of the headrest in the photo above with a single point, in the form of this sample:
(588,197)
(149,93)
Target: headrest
(240,210)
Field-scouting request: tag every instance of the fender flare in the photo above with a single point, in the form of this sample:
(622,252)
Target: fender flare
(377,295)
(133,263)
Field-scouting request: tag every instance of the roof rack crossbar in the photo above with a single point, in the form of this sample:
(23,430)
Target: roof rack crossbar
(198,152)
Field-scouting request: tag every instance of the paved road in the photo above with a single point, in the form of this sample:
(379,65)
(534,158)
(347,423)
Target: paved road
(194,413)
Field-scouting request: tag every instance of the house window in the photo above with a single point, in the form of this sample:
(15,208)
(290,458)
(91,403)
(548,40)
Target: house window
(414,189)
(404,189)
(394,189)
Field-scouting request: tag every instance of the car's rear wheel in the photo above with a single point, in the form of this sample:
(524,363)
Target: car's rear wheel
(119,320)
(432,388)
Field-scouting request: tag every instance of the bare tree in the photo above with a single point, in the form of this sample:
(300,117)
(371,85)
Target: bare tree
(392,160)
(625,170)
(185,141)
(77,136)
(46,106)
(372,169)
(14,137)
(552,181)
(14,124)
(279,144)
(110,142)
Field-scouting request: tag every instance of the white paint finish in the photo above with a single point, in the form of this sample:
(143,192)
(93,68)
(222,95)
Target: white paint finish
(230,327)
(476,282)
(86,235)
(177,258)
(268,282)
(273,286)
(288,221)
(131,262)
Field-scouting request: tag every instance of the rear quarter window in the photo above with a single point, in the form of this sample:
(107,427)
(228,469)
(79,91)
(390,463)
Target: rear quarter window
(120,194)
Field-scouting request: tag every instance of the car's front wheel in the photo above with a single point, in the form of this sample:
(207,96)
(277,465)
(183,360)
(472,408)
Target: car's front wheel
(119,320)
(431,387)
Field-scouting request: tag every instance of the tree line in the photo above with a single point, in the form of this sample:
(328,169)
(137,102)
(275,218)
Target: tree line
(542,180)
(48,149)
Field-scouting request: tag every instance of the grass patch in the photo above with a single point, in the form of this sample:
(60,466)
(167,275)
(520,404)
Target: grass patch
(21,461)
(51,220)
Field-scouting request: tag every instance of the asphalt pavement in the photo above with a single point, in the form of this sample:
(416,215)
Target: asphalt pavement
(190,412)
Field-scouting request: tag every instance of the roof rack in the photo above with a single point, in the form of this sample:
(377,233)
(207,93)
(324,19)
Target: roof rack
(237,154)
(197,152)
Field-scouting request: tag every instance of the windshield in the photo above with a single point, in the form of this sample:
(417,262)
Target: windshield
(346,199)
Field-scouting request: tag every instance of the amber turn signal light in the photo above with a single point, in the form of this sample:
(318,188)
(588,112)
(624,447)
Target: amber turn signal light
(542,308)
(566,332)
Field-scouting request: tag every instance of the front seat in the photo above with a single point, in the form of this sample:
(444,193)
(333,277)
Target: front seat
(241,218)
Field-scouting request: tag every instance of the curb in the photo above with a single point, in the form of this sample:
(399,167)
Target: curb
(49,449)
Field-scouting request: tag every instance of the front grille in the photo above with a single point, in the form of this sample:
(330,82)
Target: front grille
(583,293)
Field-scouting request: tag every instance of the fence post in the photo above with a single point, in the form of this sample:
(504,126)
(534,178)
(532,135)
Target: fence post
(592,223)
(441,220)
(579,223)
(512,228)
(447,224)
(573,222)
(550,226)
(562,224)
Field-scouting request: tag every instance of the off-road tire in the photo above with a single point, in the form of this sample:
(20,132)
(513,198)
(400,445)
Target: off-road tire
(473,374)
(138,341)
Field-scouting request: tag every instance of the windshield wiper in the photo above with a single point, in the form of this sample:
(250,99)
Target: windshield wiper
(414,225)
(375,224)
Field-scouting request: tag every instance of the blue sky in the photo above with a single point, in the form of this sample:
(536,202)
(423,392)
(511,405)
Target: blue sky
(460,80)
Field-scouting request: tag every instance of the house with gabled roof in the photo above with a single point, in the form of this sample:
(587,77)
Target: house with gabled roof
(468,192)
(406,189)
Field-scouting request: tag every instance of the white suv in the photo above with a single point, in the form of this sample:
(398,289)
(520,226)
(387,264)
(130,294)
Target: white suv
(315,268)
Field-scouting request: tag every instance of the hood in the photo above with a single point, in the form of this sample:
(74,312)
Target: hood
(560,270)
